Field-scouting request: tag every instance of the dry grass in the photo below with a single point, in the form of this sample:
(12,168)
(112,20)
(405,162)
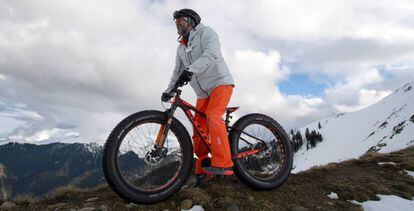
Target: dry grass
(65,192)
(357,179)
(24,200)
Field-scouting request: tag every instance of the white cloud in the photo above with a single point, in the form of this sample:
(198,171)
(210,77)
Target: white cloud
(365,98)
(84,63)
(256,77)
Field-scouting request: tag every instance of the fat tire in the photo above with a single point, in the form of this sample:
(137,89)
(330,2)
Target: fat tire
(109,163)
(240,171)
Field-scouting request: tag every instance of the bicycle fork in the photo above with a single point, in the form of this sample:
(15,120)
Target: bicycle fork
(163,132)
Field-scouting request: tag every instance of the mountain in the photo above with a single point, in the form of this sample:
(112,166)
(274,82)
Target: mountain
(38,169)
(383,127)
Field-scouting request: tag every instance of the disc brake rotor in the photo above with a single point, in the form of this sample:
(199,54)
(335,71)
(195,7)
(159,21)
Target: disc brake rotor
(155,156)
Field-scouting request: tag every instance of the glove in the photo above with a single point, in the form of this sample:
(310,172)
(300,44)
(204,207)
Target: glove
(185,77)
(166,96)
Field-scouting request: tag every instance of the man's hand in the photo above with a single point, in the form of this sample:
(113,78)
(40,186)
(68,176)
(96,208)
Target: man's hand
(165,97)
(184,77)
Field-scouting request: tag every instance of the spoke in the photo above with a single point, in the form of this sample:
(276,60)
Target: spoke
(143,134)
(138,143)
(136,132)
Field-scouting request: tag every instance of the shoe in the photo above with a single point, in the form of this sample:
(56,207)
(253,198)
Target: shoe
(201,179)
(219,171)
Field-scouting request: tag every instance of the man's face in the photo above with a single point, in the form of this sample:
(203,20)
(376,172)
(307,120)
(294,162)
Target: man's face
(182,25)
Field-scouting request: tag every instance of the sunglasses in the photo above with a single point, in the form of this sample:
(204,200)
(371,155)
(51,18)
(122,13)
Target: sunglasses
(177,20)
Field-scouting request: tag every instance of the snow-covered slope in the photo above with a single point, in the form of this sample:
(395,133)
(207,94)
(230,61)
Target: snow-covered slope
(383,127)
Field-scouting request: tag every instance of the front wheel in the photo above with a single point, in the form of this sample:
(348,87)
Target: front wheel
(137,170)
(261,150)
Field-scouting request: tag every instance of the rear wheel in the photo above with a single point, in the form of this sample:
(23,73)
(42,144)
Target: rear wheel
(268,168)
(137,170)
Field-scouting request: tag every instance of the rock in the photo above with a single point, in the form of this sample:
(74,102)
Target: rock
(8,205)
(54,206)
(104,208)
(330,203)
(233,207)
(87,209)
(186,204)
(131,205)
(88,205)
(300,209)
(92,199)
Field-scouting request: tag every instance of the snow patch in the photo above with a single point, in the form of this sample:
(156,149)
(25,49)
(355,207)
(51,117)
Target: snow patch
(333,195)
(355,202)
(411,173)
(386,163)
(388,203)
(195,208)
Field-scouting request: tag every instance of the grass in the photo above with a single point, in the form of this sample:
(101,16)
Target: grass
(24,200)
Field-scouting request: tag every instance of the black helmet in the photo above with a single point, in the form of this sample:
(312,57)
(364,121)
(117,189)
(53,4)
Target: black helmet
(187,13)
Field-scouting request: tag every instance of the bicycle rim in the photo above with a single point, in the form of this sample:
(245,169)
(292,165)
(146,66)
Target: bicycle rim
(268,163)
(144,167)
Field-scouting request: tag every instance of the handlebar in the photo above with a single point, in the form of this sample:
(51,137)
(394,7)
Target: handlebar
(176,86)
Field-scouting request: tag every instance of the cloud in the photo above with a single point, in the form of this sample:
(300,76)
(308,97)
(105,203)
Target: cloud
(84,65)
(256,77)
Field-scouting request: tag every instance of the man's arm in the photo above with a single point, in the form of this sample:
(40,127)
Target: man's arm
(211,44)
(176,73)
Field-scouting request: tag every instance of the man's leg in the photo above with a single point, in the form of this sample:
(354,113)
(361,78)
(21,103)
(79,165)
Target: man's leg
(219,143)
(200,147)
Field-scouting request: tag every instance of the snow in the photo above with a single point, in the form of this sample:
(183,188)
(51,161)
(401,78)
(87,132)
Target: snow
(195,208)
(333,195)
(70,139)
(350,135)
(355,202)
(388,203)
(411,173)
(386,163)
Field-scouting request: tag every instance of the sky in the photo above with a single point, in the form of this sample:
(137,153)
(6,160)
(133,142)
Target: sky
(76,68)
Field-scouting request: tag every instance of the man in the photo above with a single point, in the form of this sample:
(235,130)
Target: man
(199,61)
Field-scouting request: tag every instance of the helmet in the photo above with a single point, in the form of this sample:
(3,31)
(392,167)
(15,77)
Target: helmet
(187,13)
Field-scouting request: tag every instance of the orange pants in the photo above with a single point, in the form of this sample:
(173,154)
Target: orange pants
(214,108)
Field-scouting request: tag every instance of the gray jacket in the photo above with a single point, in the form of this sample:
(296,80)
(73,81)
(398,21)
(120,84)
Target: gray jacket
(202,56)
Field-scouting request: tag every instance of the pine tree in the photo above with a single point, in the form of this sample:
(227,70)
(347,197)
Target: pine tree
(319,125)
(294,141)
(299,138)
(307,139)
(312,138)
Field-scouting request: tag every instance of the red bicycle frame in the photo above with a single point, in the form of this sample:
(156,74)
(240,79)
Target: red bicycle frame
(187,107)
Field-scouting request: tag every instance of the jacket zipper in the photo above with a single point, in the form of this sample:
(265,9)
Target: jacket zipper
(190,58)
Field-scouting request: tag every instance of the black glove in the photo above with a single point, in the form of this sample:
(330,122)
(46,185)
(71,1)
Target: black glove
(184,78)
(166,96)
